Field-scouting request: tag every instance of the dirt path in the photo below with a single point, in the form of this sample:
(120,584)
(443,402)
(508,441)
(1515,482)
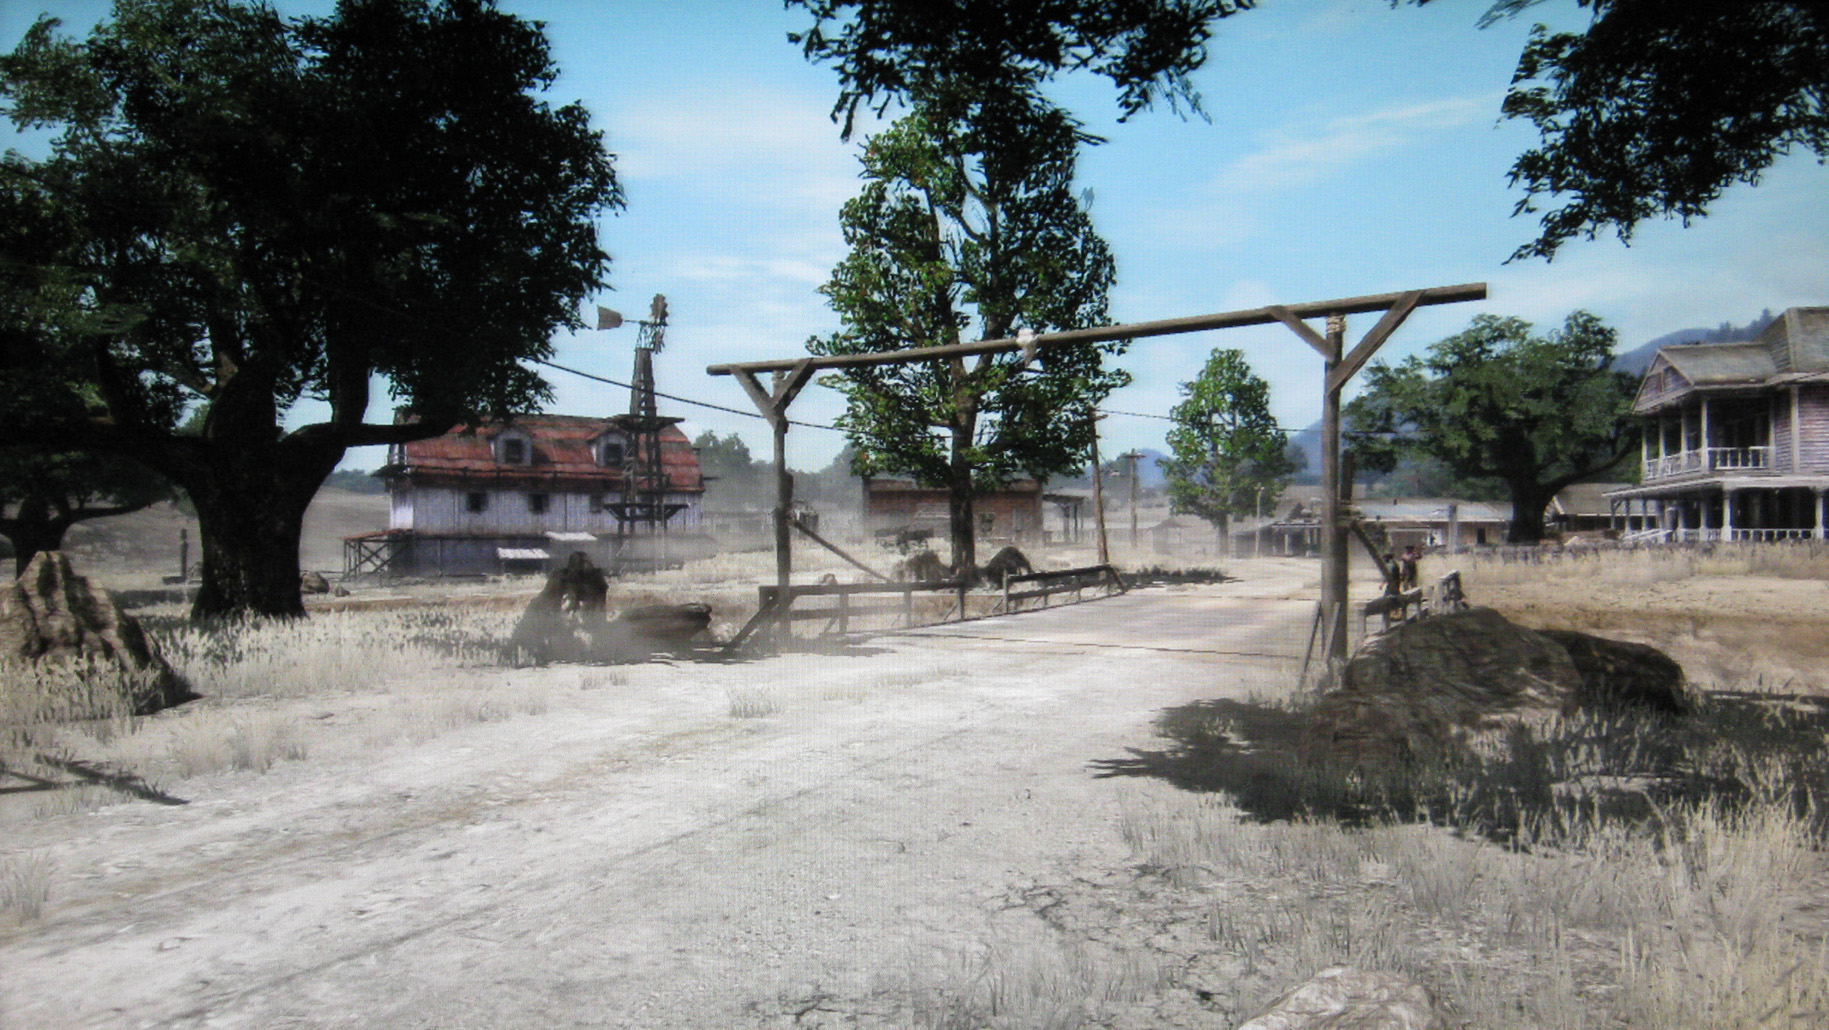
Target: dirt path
(637,856)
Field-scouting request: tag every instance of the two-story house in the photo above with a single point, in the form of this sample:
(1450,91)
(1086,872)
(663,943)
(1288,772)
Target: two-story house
(517,496)
(1736,438)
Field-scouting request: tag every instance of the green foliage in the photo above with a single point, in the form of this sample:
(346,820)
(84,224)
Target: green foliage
(1656,108)
(1225,445)
(916,50)
(736,479)
(44,493)
(1497,401)
(241,210)
(965,224)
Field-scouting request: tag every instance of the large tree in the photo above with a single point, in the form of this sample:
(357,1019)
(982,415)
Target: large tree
(243,211)
(1657,106)
(916,50)
(1226,449)
(1538,412)
(970,225)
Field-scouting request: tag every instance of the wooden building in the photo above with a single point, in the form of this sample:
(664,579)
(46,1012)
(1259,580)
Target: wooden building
(518,496)
(1012,515)
(1736,438)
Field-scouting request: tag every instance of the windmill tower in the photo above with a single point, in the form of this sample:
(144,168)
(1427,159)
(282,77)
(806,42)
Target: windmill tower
(643,508)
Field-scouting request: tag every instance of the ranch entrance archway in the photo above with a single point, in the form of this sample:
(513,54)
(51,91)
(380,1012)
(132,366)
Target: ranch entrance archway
(791,375)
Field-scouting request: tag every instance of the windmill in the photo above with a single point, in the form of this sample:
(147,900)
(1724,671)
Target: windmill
(643,506)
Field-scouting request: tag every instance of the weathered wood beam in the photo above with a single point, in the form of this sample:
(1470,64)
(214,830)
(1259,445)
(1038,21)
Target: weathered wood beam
(1128,331)
(1355,360)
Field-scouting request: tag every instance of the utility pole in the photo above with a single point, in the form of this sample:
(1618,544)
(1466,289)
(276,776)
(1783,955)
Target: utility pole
(1098,494)
(1132,456)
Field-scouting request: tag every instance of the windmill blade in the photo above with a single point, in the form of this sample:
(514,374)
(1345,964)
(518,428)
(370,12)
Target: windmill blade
(607,319)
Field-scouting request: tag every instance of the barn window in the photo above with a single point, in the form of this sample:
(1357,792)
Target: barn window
(476,501)
(610,451)
(536,503)
(514,452)
(596,504)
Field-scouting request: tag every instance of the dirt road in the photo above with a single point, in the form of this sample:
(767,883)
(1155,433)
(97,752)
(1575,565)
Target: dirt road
(638,856)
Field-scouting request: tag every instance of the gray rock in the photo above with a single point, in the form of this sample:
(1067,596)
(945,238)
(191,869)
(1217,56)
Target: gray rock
(310,582)
(51,615)
(1346,998)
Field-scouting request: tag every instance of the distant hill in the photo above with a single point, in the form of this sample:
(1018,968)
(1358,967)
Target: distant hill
(1638,359)
(355,481)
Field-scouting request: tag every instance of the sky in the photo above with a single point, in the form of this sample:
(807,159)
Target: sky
(1348,149)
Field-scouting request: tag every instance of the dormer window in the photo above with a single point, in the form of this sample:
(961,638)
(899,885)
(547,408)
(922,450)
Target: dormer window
(513,447)
(610,450)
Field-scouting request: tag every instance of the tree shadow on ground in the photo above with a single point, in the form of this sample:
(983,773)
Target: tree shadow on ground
(1618,766)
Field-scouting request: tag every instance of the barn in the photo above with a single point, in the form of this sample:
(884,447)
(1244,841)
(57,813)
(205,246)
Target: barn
(1012,515)
(518,496)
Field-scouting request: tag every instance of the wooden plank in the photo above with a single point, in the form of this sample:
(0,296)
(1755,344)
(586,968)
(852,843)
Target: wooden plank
(1130,331)
(835,549)
(1350,365)
(1302,329)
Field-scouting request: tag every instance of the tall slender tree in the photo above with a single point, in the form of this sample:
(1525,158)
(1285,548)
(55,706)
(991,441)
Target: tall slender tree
(970,225)
(243,211)
(1226,449)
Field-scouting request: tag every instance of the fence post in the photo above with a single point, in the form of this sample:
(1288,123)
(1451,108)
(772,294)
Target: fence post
(844,612)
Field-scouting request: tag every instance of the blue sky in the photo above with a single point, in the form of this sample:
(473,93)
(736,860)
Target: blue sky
(1351,149)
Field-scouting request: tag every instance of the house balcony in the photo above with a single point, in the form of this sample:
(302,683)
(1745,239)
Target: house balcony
(1711,459)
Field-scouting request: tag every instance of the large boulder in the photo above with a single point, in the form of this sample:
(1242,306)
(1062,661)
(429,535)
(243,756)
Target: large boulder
(1346,998)
(569,622)
(564,622)
(1433,686)
(1007,562)
(52,616)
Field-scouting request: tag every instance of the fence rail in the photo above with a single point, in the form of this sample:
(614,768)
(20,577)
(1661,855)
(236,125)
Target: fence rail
(1059,582)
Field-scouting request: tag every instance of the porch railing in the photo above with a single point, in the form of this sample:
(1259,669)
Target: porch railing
(1728,458)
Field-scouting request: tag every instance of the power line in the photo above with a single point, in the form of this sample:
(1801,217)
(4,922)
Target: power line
(682,400)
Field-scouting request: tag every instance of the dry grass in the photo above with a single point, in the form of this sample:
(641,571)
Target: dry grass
(1596,570)
(25,884)
(752,702)
(1005,986)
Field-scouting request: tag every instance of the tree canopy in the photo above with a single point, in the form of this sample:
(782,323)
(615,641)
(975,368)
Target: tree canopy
(1225,446)
(964,223)
(922,50)
(243,211)
(1538,412)
(1657,107)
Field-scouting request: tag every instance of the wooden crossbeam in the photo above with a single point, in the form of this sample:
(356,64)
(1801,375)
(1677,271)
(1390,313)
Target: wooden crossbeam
(1125,331)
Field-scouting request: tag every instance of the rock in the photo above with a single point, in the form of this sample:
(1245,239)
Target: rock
(310,582)
(564,622)
(1435,685)
(340,591)
(1346,998)
(1617,674)
(666,625)
(51,614)
(923,567)
(1007,562)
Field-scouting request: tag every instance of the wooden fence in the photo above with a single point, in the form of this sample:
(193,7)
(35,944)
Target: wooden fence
(782,612)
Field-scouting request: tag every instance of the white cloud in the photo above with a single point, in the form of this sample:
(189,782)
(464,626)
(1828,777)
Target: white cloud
(1312,153)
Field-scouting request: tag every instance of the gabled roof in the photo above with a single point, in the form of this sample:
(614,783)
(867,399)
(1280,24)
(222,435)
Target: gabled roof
(561,454)
(1798,340)
(1712,364)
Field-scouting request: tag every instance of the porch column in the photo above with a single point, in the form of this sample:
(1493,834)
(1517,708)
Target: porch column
(1613,516)
(1821,496)
(1644,455)
(1663,439)
(1727,514)
(1708,461)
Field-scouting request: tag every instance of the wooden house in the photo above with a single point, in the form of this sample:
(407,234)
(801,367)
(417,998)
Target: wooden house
(1012,515)
(1736,438)
(518,496)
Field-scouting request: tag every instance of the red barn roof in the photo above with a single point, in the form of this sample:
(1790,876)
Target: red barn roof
(560,453)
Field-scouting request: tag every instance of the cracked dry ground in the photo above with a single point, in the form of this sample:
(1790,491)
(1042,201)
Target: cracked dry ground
(921,815)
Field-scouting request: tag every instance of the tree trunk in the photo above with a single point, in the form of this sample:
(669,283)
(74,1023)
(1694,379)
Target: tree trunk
(1527,503)
(960,511)
(250,510)
(33,529)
